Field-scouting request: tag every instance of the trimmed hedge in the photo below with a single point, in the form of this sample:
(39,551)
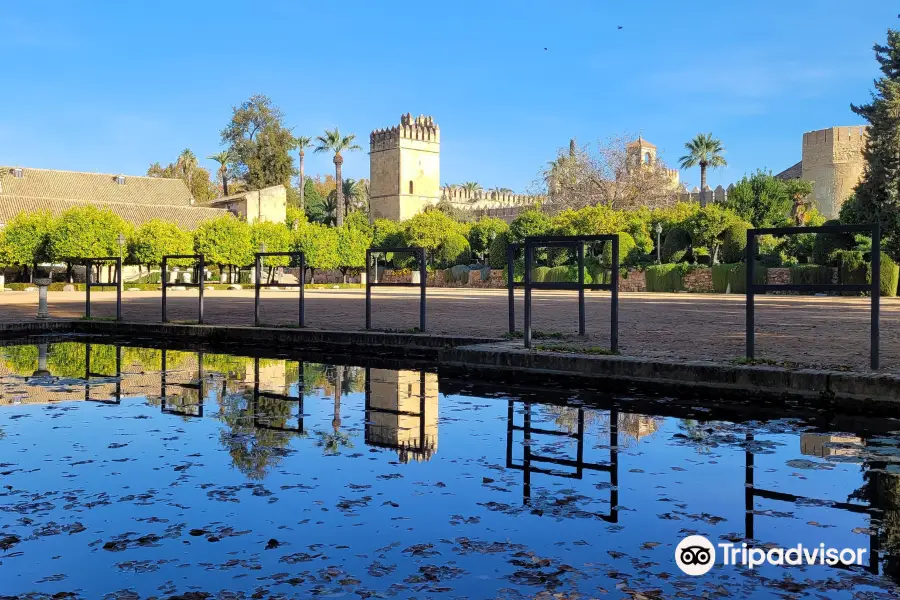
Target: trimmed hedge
(890,275)
(666,277)
(539,274)
(566,275)
(810,274)
(628,251)
(825,244)
(454,250)
(497,251)
(734,246)
(733,277)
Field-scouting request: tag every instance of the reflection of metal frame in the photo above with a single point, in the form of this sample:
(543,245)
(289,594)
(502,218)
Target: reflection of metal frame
(200,386)
(578,464)
(88,284)
(88,375)
(420,451)
(272,395)
(751,492)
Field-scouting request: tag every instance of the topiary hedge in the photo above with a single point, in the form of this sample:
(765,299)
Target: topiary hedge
(628,251)
(810,274)
(676,245)
(566,274)
(733,277)
(734,244)
(454,250)
(539,274)
(890,275)
(666,277)
(497,251)
(826,243)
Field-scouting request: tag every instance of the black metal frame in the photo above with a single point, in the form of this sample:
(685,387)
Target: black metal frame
(257,285)
(422,450)
(200,386)
(578,464)
(89,263)
(874,288)
(88,374)
(200,284)
(577,242)
(511,283)
(257,394)
(419,253)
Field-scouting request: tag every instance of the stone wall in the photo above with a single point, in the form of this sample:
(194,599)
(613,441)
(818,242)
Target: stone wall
(833,161)
(635,282)
(699,281)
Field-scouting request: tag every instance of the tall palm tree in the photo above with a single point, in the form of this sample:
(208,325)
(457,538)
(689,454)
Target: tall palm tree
(471,187)
(223,158)
(706,151)
(302,143)
(333,141)
(186,165)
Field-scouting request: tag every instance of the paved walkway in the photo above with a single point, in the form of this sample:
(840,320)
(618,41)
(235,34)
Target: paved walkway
(812,331)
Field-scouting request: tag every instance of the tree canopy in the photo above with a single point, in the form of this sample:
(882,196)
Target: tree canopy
(762,199)
(259,143)
(157,238)
(224,240)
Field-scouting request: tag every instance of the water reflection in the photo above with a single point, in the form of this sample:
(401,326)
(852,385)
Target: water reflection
(574,498)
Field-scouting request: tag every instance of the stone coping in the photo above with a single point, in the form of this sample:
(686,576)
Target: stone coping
(494,359)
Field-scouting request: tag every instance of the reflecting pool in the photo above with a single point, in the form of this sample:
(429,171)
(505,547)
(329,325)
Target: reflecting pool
(133,472)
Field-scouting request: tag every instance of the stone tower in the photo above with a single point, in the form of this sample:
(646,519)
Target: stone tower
(404,168)
(642,152)
(833,161)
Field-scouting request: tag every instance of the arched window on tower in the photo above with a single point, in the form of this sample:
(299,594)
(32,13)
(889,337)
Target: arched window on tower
(647,158)
(410,186)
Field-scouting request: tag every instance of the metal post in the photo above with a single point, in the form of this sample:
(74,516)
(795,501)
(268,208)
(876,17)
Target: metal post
(302,286)
(876,295)
(119,289)
(423,280)
(87,279)
(257,266)
(201,278)
(614,298)
(751,317)
(369,292)
(526,329)
(510,283)
(163,280)
(580,254)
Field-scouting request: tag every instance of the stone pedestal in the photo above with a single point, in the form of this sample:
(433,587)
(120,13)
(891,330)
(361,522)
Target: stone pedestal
(42,285)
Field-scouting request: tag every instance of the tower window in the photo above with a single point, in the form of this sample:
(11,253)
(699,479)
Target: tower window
(410,186)
(647,158)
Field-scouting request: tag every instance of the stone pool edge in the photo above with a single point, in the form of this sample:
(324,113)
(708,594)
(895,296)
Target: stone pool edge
(492,357)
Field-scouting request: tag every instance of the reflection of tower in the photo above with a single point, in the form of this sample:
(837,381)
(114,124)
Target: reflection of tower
(402,412)
(180,404)
(816,444)
(272,377)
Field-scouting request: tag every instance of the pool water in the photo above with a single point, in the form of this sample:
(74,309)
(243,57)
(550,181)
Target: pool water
(141,473)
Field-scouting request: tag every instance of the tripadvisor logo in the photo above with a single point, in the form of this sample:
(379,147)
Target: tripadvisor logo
(696,555)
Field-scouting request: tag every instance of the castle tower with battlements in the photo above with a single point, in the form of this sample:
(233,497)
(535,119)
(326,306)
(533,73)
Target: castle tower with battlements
(405,168)
(833,161)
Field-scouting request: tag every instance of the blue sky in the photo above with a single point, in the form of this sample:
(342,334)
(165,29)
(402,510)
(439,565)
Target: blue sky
(114,86)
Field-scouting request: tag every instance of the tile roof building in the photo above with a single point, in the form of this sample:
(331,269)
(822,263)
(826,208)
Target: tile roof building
(135,199)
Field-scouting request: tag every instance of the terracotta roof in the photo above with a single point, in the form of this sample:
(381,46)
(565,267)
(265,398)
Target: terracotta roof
(187,217)
(93,187)
(794,172)
(640,142)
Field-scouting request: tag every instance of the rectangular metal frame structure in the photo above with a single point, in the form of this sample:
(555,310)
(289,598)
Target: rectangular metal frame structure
(416,251)
(257,394)
(577,242)
(257,285)
(88,374)
(200,386)
(199,284)
(874,288)
(89,263)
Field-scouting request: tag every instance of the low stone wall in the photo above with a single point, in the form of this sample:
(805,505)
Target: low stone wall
(699,281)
(635,282)
(778,276)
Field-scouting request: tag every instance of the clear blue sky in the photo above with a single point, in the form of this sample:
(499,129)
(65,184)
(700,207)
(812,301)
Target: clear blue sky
(114,86)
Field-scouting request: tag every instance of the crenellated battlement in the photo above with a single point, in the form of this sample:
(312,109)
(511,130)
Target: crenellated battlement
(844,136)
(421,128)
(489,199)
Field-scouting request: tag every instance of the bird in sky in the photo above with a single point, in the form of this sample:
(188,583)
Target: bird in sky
(620,27)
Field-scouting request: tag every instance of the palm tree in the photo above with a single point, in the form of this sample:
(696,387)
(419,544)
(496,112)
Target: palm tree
(223,158)
(706,151)
(333,142)
(471,187)
(186,165)
(302,143)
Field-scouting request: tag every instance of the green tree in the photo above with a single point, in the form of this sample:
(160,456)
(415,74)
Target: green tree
(26,239)
(186,168)
(157,238)
(86,232)
(302,143)
(762,199)
(706,151)
(483,232)
(707,227)
(471,187)
(277,238)
(878,192)
(428,229)
(332,141)
(352,245)
(529,223)
(223,158)
(799,192)
(319,245)
(224,241)
(259,143)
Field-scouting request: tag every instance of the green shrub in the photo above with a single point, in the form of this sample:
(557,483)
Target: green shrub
(497,251)
(566,274)
(826,243)
(733,277)
(675,245)
(457,274)
(734,246)
(852,268)
(628,251)
(454,250)
(890,275)
(666,277)
(539,274)
(810,274)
